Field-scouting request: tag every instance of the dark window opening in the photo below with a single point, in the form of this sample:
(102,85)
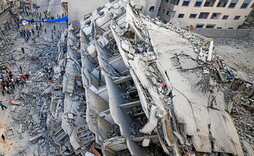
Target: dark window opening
(193,15)
(225,17)
(222,3)
(210,26)
(199,25)
(167,13)
(230,28)
(175,2)
(209,3)
(219,27)
(198,4)
(233,4)
(237,17)
(203,15)
(166,1)
(180,15)
(186,3)
(245,4)
(215,15)
(151,9)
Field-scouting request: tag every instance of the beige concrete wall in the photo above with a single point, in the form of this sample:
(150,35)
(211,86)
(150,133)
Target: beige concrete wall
(78,8)
(230,22)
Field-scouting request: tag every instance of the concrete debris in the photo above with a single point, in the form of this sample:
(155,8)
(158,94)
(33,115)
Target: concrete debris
(143,78)
(121,83)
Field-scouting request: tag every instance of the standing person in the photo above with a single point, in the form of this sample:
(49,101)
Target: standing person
(45,31)
(23,50)
(3,137)
(20,68)
(10,74)
(2,105)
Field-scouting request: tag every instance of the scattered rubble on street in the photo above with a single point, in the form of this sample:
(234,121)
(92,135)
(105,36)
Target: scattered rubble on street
(120,83)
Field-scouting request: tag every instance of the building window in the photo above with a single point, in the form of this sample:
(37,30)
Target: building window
(215,15)
(230,28)
(237,17)
(222,3)
(175,2)
(166,1)
(233,4)
(186,3)
(151,9)
(209,3)
(203,15)
(245,4)
(180,15)
(219,27)
(198,3)
(199,25)
(210,26)
(167,13)
(193,15)
(225,17)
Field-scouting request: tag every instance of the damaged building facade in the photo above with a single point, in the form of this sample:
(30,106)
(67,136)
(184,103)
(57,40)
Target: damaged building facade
(128,84)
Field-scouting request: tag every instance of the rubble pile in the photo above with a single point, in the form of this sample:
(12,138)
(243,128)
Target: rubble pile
(67,121)
(121,83)
(163,86)
(26,129)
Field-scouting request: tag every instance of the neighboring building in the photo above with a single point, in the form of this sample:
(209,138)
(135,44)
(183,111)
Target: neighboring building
(149,7)
(220,14)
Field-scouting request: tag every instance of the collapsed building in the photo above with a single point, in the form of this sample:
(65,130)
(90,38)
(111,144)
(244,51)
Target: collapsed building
(131,85)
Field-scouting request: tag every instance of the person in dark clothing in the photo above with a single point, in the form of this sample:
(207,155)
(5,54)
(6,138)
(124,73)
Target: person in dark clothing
(27,76)
(20,68)
(23,50)
(2,105)
(3,137)
(10,74)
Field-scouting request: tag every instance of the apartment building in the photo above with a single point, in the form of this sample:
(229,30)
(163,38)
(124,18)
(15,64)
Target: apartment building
(218,14)
(149,7)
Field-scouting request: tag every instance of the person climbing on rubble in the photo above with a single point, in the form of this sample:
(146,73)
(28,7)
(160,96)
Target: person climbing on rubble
(12,86)
(23,50)
(2,105)
(3,138)
(5,86)
(10,75)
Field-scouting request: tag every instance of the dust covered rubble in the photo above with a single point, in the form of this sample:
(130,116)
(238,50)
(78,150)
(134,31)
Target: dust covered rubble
(67,120)
(181,84)
(147,88)
(27,122)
